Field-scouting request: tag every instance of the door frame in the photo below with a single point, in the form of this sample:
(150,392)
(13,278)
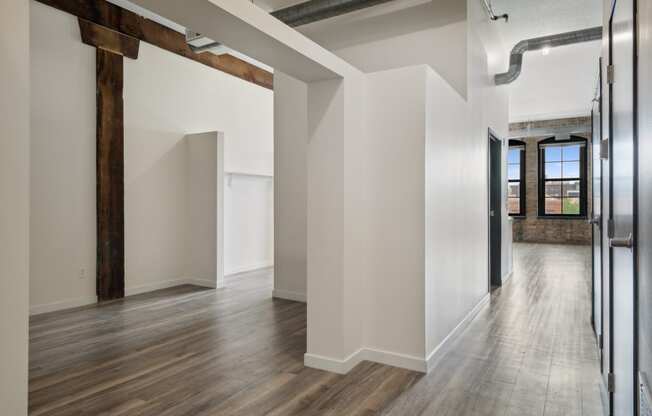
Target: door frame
(493,138)
(599,334)
(635,251)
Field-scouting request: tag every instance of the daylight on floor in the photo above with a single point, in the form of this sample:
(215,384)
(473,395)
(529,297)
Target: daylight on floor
(326,208)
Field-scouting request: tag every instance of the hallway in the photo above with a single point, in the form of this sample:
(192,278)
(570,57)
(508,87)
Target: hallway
(188,351)
(532,352)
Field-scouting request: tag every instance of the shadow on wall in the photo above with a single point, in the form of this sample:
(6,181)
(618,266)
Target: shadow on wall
(155,201)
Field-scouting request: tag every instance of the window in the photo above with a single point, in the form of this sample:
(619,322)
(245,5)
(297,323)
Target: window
(562,177)
(516,178)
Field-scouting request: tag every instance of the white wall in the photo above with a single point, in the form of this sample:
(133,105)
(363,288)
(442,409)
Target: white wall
(14,213)
(166,97)
(290,187)
(249,225)
(192,98)
(411,296)
(561,84)
(400,34)
(204,242)
(396,271)
(456,235)
(63,225)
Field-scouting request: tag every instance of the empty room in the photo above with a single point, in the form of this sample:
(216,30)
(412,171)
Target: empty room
(325,207)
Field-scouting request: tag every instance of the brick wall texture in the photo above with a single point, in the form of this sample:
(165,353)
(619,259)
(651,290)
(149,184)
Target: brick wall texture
(531,228)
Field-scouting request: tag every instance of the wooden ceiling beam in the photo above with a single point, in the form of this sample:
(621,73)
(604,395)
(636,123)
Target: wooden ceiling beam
(109,40)
(131,24)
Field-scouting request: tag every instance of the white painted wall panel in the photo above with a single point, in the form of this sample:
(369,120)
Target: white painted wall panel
(396,216)
(290,187)
(166,97)
(249,207)
(204,243)
(63,219)
(14,212)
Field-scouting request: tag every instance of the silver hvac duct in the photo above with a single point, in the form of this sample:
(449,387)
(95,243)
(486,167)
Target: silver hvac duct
(315,10)
(552,41)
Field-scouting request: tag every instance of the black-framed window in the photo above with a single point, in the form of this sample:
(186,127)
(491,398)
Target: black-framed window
(516,178)
(562,177)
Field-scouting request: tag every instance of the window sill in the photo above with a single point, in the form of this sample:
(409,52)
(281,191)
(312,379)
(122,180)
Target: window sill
(518,217)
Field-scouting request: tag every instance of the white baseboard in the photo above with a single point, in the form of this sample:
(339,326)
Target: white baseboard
(250,268)
(288,295)
(443,347)
(332,365)
(150,287)
(211,284)
(61,305)
(365,354)
(407,362)
(129,291)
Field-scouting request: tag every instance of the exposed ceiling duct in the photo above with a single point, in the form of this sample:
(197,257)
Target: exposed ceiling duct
(552,41)
(315,10)
(297,15)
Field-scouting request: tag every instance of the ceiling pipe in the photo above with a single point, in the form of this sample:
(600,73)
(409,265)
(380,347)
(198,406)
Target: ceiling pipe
(552,41)
(492,15)
(315,10)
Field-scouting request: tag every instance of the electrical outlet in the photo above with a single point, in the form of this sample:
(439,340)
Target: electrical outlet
(82,273)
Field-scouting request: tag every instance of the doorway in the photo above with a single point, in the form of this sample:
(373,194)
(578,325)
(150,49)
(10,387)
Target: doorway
(495,211)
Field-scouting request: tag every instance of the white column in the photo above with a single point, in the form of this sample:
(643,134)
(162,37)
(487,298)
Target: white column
(14,213)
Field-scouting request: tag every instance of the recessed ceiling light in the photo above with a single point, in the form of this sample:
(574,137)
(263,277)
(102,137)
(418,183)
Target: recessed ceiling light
(545,51)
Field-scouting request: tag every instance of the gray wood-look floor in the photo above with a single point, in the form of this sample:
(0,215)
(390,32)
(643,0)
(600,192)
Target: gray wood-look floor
(187,351)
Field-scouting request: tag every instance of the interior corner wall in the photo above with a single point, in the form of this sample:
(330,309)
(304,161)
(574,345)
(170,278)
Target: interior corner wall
(336,272)
(325,225)
(396,116)
(456,234)
(205,218)
(387,37)
(166,97)
(249,230)
(290,187)
(14,213)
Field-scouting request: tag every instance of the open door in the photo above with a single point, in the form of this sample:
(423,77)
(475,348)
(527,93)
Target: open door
(622,197)
(495,210)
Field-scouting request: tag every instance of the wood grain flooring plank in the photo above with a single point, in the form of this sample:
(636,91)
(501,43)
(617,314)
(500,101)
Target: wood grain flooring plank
(236,352)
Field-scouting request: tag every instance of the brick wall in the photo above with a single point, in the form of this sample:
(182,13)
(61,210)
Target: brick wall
(531,228)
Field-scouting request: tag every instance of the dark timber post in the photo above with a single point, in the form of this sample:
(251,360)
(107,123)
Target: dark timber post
(111,47)
(110,177)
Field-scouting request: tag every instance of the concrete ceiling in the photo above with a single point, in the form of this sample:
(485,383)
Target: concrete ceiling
(533,18)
